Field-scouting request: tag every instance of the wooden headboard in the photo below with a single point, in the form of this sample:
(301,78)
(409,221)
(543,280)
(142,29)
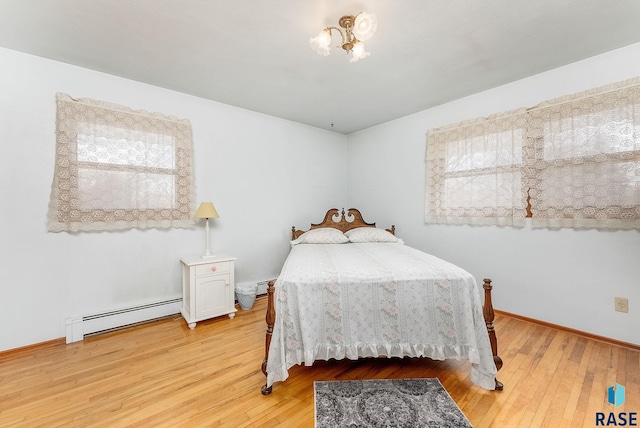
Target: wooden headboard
(341,221)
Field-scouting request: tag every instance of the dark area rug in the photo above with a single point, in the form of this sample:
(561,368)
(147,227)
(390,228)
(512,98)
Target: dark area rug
(385,403)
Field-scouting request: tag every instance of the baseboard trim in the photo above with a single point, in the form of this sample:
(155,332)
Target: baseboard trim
(571,330)
(39,345)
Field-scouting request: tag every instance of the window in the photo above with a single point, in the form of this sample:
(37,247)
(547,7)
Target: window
(585,160)
(119,169)
(474,172)
(577,158)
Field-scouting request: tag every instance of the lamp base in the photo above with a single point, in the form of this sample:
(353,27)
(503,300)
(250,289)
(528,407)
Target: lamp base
(208,256)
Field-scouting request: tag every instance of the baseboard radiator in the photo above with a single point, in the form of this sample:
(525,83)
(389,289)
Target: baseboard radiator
(79,327)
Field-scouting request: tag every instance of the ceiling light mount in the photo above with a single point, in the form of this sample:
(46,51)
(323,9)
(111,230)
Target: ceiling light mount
(354,30)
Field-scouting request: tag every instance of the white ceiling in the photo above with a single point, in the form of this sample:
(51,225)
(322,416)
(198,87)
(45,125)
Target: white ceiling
(255,54)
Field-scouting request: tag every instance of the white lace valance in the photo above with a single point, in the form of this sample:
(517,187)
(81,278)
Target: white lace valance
(583,159)
(474,172)
(576,157)
(117,168)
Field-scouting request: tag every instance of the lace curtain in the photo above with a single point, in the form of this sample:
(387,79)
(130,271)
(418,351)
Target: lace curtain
(474,172)
(117,168)
(583,159)
(576,157)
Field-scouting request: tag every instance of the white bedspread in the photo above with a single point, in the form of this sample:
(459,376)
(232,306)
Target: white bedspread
(376,299)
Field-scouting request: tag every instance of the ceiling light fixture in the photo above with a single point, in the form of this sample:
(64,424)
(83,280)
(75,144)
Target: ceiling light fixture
(355,30)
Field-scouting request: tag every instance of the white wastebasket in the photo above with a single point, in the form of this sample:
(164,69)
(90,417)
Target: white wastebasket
(246,294)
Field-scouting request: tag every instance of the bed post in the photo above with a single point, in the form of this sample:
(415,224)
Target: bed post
(489,316)
(271,320)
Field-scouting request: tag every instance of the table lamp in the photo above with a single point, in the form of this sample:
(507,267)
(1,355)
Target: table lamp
(207,210)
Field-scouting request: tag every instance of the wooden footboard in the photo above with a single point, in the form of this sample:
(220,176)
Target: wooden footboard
(487,311)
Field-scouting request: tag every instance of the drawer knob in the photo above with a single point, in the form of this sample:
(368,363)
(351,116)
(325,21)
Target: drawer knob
(214,268)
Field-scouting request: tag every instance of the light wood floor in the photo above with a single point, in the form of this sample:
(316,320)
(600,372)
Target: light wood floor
(163,374)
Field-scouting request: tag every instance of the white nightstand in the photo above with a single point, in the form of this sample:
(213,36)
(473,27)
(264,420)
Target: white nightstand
(208,288)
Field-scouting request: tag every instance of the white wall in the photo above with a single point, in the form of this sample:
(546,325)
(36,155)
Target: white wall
(255,168)
(565,277)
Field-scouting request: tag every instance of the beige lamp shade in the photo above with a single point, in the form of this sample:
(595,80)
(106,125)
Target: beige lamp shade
(206,210)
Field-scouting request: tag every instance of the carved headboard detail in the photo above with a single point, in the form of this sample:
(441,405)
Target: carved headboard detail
(341,221)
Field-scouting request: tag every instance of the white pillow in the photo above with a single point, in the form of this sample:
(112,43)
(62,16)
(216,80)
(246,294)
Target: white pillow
(324,235)
(370,234)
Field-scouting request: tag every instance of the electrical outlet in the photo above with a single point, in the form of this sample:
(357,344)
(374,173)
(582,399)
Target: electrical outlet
(622,304)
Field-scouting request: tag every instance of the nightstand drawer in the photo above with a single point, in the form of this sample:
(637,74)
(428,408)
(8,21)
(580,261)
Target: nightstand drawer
(212,268)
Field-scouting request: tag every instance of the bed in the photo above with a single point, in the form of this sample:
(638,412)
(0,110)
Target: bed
(351,290)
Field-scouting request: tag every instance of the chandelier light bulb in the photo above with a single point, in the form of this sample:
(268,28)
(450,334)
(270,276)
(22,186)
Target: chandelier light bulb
(324,37)
(321,42)
(365,26)
(358,52)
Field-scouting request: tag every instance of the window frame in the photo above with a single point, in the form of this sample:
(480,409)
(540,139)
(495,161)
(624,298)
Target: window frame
(438,141)
(601,103)
(76,116)
(622,216)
